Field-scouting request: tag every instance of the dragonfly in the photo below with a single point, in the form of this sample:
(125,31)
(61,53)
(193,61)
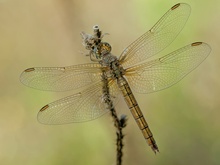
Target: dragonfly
(108,76)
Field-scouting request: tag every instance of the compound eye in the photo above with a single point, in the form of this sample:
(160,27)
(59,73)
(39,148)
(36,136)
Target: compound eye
(105,48)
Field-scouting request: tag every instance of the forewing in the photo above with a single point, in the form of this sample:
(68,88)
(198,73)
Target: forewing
(61,78)
(162,73)
(84,106)
(158,37)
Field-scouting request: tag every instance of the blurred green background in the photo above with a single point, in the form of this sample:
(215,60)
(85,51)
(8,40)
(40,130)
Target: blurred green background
(185,119)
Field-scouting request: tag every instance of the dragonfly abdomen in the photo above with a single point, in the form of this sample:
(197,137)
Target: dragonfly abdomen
(137,114)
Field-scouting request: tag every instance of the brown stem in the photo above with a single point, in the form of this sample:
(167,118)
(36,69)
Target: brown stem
(119,125)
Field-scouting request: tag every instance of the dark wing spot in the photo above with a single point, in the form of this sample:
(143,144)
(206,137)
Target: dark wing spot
(196,43)
(44,108)
(29,70)
(175,6)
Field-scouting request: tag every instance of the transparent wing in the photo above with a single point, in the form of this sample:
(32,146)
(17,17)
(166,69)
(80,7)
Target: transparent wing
(162,73)
(158,37)
(84,106)
(61,78)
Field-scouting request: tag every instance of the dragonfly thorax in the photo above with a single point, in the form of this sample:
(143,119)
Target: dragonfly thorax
(113,68)
(108,60)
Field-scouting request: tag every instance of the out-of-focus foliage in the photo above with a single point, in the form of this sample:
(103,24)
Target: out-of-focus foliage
(184,118)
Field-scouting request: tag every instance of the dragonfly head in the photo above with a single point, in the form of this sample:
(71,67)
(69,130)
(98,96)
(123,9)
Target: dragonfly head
(95,45)
(97,53)
(104,48)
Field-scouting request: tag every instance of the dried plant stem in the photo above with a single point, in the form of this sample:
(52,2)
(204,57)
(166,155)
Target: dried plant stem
(119,125)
